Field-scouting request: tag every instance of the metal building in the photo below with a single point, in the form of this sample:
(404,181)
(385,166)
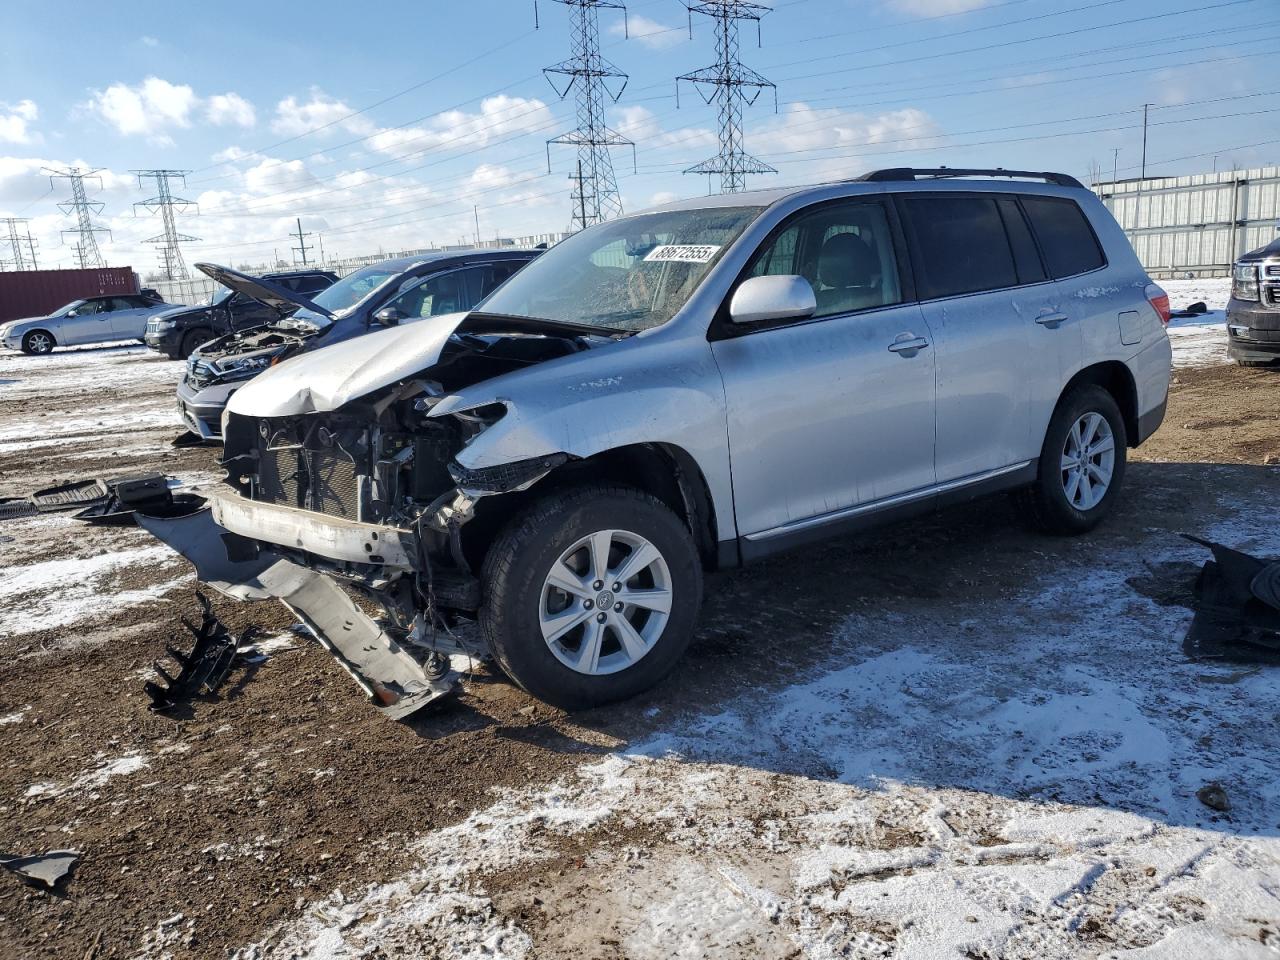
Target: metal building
(1197,224)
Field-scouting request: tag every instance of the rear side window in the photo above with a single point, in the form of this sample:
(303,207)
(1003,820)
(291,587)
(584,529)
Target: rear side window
(959,245)
(1069,246)
(1025,255)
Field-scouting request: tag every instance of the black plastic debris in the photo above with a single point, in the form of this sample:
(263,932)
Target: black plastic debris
(1197,309)
(48,871)
(202,670)
(149,493)
(1237,608)
(69,496)
(192,439)
(11,508)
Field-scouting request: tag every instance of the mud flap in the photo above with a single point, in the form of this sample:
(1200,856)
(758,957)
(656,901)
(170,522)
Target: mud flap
(394,680)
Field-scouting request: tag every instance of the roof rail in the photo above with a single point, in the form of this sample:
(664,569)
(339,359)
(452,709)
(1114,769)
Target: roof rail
(913,173)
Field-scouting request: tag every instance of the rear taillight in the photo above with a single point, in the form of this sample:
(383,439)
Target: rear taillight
(1159,300)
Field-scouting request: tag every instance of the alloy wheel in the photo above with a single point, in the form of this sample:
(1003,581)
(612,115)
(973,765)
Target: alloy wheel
(1088,461)
(605,602)
(39,343)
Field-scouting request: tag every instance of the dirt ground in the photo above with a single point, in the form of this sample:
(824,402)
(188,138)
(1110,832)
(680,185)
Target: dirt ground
(230,826)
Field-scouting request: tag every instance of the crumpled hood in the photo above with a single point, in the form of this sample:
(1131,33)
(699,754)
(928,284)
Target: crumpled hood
(323,380)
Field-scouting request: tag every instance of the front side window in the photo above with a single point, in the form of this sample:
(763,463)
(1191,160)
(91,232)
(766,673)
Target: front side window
(958,244)
(87,308)
(1065,236)
(438,295)
(844,250)
(628,274)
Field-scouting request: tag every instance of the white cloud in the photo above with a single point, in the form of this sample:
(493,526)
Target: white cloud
(498,117)
(15,121)
(149,41)
(277,176)
(294,118)
(651,33)
(934,8)
(802,127)
(150,109)
(224,109)
(641,125)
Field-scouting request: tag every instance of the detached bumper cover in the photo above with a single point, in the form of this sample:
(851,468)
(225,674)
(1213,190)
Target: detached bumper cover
(394,681)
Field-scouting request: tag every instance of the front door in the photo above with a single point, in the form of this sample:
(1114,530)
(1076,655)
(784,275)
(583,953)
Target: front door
(836,411)
(91,324)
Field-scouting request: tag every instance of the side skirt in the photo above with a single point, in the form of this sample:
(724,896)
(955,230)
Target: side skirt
(758,546)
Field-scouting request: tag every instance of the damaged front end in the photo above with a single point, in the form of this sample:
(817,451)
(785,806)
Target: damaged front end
(340,512)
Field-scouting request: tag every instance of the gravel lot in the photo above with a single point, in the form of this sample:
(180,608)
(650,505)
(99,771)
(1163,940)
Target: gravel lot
(948,739)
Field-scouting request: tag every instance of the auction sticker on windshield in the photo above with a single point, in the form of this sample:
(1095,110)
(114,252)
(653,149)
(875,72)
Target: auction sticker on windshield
(682,253)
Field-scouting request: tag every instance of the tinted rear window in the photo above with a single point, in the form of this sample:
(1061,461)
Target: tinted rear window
(959,245)
(1065,236)
(1025,255)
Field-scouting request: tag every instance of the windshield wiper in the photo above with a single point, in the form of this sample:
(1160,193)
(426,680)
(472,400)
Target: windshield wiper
(479,322)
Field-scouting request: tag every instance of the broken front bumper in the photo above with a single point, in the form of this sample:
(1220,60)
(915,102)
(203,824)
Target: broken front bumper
(224,540)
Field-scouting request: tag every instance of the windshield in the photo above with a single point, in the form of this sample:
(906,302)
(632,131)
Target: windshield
(219,294)
(351,289)
(629,274)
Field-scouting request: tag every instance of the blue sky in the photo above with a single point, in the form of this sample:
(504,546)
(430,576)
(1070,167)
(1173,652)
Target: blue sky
(258,101)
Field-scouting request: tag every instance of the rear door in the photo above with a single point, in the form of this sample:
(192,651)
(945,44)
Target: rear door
(836,411)
(989,302)
(128,318)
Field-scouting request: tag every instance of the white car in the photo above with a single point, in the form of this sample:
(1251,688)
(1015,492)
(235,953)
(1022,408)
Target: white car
(80,322)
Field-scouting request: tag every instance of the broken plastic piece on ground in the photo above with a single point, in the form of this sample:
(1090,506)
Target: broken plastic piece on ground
(139,493)
(1237,616)
(69,496)
(205,667)
(11,508)
(1196,309)
(47,871)
(392,678)
(193,439)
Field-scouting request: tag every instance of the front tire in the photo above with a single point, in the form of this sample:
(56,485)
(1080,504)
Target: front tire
(1082,464)
(191,340)
(591,595)
(38,342)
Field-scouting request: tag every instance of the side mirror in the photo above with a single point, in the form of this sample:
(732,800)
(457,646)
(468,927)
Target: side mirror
(73,313)
(389,316)
(773,298)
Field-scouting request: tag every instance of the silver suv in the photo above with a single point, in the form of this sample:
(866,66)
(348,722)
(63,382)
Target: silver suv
(676,392)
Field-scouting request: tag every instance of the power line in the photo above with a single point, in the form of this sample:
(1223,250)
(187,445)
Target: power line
(595,192)
(164,202)
(86,248)
(731,85)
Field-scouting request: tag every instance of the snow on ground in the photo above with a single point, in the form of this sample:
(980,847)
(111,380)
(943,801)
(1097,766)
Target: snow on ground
(1199,341)
(955,785)
(61,592)
(82,369)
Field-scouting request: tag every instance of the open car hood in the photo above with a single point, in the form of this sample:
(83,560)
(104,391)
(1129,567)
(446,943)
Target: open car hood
(325,379)
(256,288)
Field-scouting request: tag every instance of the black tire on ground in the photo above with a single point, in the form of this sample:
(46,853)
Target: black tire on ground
(1044,503)
(517,565)
(38,342)
(192,339)
(1256,363)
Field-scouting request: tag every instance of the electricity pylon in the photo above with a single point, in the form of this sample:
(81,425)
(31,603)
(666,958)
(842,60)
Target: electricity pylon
(595,191)
(731,85)
(18,259)
(86,248)
(166,204)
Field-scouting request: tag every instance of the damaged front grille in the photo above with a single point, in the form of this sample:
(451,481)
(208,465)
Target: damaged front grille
(200,373)
(327,479)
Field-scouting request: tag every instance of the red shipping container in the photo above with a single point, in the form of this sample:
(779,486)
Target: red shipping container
(36,293)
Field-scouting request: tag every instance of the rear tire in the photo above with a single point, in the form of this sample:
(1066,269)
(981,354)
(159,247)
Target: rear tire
(38,342)
(1082,464)
(191,340)
(552,617)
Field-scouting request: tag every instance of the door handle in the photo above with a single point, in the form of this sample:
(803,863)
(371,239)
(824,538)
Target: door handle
(1052,319)
(908,344)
